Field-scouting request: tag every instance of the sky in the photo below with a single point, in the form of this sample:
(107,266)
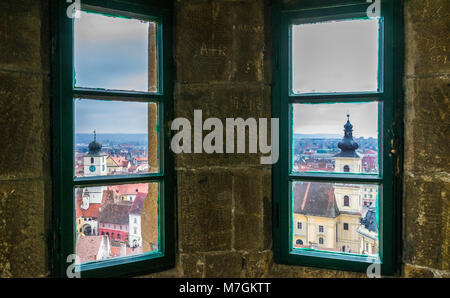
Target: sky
(110,116)
(330,118)
(110,53)
(338,56)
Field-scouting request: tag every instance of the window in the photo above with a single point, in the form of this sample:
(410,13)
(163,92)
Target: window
(346,201)
(337,93)
(299,225)
(299,242)
(113,100)
(320,229)
(345,226)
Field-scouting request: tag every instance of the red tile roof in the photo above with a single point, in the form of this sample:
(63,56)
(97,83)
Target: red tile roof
(120,161)
(126,189)
(87,247)
(92,211)
(115,251)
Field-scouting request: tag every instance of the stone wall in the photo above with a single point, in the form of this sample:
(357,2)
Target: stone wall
(222,54)
(25,152)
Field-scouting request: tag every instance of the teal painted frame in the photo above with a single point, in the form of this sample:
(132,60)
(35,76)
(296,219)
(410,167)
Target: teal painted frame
(390,97)
(62,240)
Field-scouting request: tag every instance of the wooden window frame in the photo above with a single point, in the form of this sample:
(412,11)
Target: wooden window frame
(390,98)
(63,242)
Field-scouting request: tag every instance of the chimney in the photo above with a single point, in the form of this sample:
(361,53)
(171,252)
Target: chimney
(123,249)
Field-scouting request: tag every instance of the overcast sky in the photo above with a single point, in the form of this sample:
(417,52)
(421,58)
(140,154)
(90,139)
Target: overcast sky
(111,53)
(330,118)
(110,117)
(338,56)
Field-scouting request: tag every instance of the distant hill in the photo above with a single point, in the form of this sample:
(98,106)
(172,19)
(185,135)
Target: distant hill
(113,139)
(317,136)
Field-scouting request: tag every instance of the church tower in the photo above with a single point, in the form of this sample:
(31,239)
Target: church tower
(348,196)
(348,161)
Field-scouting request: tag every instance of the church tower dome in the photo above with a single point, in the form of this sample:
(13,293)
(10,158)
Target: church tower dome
(95,147)
(347,145)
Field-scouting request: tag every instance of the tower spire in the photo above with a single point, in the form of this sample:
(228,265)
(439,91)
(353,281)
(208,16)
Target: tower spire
(347,144)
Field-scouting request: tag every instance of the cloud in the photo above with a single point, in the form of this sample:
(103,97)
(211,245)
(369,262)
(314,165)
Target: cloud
(330,118)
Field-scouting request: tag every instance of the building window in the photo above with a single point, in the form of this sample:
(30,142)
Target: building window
(320,240)
(346,201)
(299,242)
(346,226)
(113,60)
(320,229)
(299,225)
(336,71)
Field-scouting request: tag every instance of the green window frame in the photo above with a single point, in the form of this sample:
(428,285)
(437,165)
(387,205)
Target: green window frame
(389,96)
(64,182)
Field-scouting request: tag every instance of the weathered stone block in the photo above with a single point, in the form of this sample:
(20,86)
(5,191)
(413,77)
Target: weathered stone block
(427,124)
(193,265)
(222,41)
(257,264)
(221,101)
(204,31)
(427,37)
(23,229)
(415,272)
(204,210)
(20,35)
(248,232)
(426,222)
(310,272)
(25,142)
(223,264)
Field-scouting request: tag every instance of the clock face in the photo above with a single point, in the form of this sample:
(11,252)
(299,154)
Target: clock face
(92,168)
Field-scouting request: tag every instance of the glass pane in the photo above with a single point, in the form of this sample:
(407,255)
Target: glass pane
(115,138)
(116,221)
(335,217)
(339,137)
(335,56)
(115,53)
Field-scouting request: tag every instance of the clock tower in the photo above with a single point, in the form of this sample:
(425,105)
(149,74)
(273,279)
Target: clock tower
(94,163)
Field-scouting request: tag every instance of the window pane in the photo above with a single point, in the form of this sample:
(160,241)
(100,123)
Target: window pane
(335,56)
(339,137)
(116,221)
(115,138)
(328,224)
(114,53)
